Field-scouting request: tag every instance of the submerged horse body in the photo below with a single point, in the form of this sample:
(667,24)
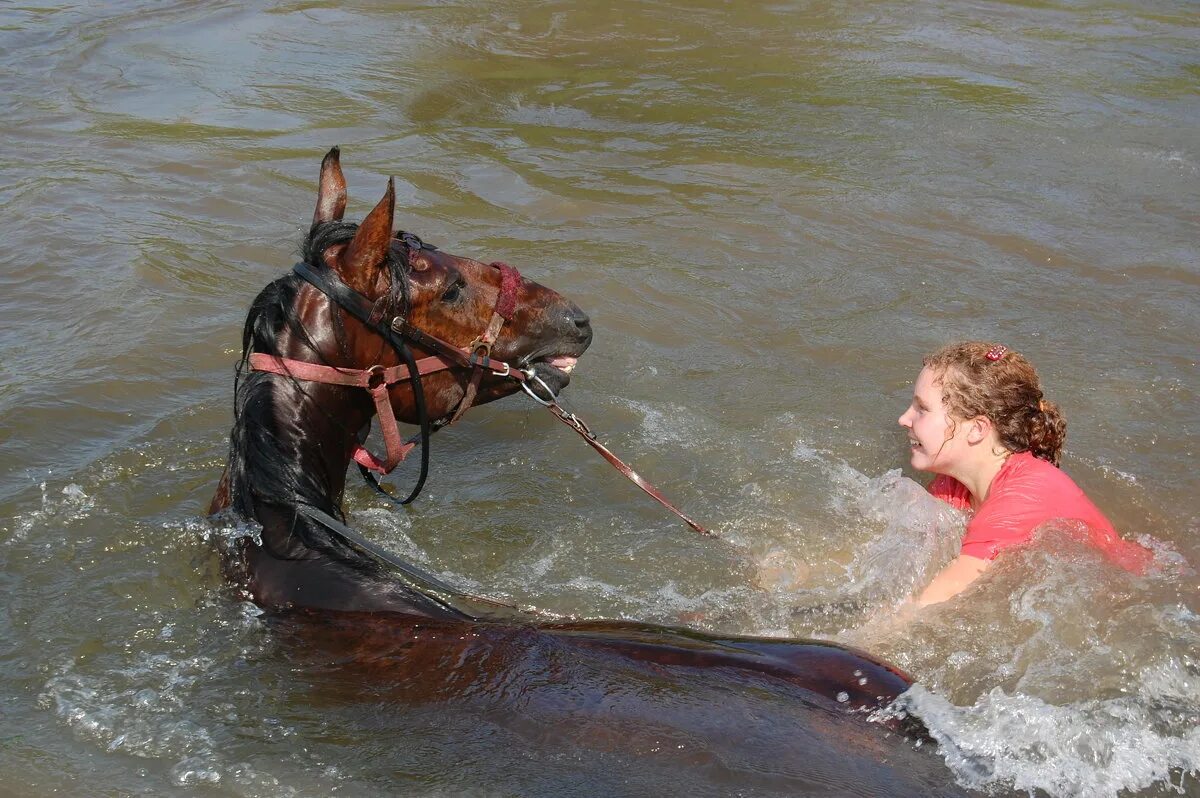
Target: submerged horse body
(294,438)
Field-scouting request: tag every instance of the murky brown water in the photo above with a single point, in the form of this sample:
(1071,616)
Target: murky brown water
(770,211)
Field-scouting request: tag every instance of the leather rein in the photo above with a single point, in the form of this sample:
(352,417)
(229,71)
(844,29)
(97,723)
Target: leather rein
(376,380)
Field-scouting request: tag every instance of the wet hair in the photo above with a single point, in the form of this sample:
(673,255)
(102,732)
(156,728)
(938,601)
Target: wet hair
(981,378)
(264,469)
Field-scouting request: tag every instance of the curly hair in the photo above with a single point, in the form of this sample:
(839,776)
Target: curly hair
(981,378)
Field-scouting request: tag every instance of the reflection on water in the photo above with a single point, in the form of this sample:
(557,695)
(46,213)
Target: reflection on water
(769,211)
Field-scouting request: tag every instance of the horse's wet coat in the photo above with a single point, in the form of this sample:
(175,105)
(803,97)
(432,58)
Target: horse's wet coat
(292,443)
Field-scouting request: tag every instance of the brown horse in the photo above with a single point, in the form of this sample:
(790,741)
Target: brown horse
(293,437)
(353,310)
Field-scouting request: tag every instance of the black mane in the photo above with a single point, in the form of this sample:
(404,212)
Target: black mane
(264,466)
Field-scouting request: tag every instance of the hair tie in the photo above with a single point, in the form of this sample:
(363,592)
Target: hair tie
(996,352)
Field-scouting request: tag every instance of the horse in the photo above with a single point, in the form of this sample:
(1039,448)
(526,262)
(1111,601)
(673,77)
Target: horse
(376,326)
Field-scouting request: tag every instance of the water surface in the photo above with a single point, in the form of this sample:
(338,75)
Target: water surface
(770,211)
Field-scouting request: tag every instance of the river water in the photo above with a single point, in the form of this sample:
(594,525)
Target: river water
(770,211)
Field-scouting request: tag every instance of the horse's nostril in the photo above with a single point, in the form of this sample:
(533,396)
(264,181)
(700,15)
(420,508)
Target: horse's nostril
(575,324)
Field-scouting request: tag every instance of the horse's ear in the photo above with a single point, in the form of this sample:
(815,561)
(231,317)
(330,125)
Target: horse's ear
(331,196)
(371,243)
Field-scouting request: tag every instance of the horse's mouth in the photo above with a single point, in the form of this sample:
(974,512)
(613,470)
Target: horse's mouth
(554,370)
(564,363)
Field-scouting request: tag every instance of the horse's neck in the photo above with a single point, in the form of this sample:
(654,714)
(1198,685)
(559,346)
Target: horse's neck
(295,448)
(301,459)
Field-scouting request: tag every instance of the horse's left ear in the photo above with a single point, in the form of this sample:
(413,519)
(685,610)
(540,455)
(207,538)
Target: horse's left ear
(361,258)
(331,193)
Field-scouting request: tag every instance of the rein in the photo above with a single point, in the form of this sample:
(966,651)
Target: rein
(376,380)
(445,597)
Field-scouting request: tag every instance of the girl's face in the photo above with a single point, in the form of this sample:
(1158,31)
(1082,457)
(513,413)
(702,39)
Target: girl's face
(937,442)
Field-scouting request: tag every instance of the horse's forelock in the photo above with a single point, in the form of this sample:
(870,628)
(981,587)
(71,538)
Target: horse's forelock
(323,235)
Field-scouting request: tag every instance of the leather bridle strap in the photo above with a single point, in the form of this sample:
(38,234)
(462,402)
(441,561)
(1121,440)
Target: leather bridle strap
(506,304)
(354,303)
(479,353)
(375,380)
(397,333)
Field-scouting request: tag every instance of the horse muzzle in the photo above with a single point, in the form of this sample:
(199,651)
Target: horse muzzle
(569,336)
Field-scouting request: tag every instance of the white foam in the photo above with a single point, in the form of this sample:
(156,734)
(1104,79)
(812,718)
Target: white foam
(157,703)
(668,422)
(393,529)
(133,710)
(223,528)
(1096,749)
(803,452)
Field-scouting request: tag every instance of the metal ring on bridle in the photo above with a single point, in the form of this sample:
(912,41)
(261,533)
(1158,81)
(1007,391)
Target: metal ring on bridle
(531,376)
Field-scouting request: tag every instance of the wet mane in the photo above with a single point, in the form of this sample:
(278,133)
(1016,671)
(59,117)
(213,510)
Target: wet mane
(264,469)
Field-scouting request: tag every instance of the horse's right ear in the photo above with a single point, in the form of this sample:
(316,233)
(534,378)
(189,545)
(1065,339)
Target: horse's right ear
(331,196)
(369,248)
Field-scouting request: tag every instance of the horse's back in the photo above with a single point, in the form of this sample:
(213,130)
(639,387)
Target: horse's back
(750,713)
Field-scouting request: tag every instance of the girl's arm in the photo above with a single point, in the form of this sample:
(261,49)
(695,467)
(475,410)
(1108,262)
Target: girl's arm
(953,579)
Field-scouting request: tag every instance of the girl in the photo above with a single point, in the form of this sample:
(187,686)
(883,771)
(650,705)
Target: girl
(979,422)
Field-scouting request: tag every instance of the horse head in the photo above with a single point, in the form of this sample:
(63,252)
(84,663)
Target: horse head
(439,297)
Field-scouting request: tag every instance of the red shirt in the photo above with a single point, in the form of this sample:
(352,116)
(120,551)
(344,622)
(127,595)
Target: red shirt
(1026,493)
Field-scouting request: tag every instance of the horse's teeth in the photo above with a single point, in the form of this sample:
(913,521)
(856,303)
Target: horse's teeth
(562,362)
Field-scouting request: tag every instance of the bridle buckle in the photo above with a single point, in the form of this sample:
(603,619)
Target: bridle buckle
(481,350)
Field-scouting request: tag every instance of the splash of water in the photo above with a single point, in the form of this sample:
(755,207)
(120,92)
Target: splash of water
(1097,748)
(73,505)
(148,707)
(1058,673)
(225,528)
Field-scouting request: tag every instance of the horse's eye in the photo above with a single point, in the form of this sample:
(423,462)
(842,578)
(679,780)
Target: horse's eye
(452,293)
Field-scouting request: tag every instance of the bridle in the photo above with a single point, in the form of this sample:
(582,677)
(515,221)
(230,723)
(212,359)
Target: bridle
(377,379)
(398,333)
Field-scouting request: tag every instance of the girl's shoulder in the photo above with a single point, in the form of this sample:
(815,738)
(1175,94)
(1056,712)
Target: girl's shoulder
(1024,472)
(1027,493)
